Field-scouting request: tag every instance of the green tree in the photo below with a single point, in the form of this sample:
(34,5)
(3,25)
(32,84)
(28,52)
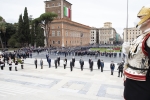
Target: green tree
(12,41)
(10,30)
(45,21)
(2,29)
(21,38)
(38,32)
(39,36)
(26,30)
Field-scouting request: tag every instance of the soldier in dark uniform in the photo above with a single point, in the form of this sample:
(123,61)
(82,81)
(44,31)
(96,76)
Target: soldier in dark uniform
(81,64)
(58,60)
(35,62)
(120,68)
(71,66)
(55,61)
(98,63)
(89,62)
(73,61)
(91,65)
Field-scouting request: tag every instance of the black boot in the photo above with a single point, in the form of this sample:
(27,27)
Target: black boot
(1,67)
(9,68)
(21,66)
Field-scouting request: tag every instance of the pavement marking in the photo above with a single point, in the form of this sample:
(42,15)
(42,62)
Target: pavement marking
(83,89)
(103,89)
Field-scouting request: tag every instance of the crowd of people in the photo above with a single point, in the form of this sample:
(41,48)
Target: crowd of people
(17,57)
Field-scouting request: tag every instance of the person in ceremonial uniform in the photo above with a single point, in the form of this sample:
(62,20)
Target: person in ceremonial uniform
(137,60)
(16,64)
(22,62)
(1,64)
(10,64)
(64,63)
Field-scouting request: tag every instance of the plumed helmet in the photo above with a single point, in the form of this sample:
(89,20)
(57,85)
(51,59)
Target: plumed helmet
(144,13)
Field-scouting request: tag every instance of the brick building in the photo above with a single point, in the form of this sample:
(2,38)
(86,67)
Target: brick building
(64,32)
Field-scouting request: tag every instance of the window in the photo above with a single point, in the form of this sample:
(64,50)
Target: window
(53,42)
(53,4)
(58,42)
(58,4)
(58,27)
(58,33)
(53,33)
(47,5)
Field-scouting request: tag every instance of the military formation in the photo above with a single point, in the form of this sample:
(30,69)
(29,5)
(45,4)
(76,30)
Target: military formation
(16,58)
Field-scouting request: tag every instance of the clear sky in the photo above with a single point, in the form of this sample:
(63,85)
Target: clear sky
(89,12)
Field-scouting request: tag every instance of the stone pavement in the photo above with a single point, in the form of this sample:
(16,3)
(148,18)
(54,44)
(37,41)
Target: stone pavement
(59,84)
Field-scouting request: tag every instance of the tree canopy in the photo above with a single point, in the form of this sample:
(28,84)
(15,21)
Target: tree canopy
(45,20)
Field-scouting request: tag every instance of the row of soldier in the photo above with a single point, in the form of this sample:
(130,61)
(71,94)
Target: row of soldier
(100,63)
(11,62)
(85,53)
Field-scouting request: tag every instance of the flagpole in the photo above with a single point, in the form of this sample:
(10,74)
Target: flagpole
(127,21)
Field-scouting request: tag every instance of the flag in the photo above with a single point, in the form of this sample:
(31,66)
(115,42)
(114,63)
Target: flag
(67,12)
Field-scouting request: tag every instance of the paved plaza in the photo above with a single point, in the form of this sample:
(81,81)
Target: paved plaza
(59,84)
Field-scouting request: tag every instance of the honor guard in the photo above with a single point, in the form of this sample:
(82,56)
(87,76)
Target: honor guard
(1,64)
(16,64)
(10,64)
(22,62)
(137,63)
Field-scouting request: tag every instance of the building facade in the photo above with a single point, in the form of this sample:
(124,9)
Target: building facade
(64,32)
(107,34)
(104,35)
(94,35)
(129,34)
(60,7)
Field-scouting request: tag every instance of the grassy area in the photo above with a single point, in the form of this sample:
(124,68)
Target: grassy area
(10,49)
(104,49)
